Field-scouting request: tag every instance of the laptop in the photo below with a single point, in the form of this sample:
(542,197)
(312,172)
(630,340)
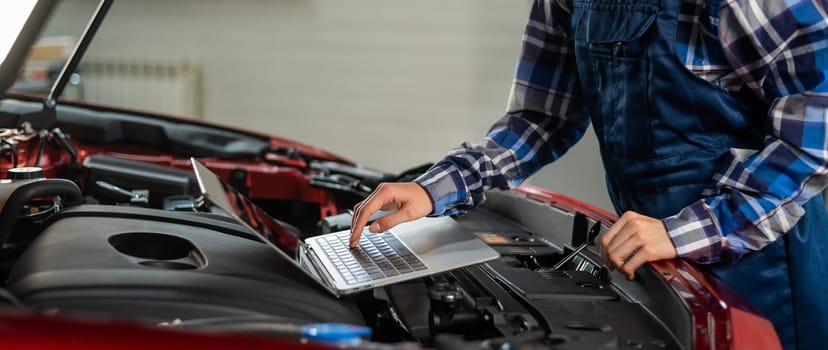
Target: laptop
(410,250)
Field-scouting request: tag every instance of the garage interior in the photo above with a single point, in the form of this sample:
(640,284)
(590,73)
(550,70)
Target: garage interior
(387,84)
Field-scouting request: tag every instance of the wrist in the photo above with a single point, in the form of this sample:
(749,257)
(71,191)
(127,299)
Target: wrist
(444,186)
(695,234)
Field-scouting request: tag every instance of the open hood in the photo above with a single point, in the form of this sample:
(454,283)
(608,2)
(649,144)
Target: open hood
(22,21)
(26,19)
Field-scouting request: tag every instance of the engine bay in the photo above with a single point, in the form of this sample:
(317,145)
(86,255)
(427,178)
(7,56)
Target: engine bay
(198,270)
(126,239)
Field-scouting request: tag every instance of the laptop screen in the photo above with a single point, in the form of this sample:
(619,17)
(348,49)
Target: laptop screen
(224,196)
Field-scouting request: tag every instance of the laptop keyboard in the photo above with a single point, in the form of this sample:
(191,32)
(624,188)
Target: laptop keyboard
(378,255)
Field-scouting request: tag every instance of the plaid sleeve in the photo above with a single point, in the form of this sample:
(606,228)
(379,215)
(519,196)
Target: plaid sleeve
(780,50)
(543,120)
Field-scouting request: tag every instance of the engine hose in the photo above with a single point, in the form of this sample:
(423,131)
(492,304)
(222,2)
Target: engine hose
(25,193)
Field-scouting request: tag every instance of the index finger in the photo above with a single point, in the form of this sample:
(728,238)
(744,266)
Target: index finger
(609,236)
(363,212)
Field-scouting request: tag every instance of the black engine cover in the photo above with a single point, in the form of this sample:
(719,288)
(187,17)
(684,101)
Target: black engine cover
(152,265)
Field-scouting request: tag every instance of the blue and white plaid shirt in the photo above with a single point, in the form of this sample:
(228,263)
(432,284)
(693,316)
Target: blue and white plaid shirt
(777,49)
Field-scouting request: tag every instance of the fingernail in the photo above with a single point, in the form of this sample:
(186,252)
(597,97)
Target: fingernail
(375,227)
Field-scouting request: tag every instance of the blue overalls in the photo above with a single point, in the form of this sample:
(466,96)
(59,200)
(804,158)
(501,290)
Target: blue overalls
(664,132)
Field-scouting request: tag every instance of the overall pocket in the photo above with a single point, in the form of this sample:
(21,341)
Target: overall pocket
(611,46)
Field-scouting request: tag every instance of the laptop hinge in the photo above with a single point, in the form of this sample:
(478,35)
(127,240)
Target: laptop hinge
(309,260)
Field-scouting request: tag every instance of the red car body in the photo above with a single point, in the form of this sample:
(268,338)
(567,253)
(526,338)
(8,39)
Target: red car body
(718,319)
(721,319)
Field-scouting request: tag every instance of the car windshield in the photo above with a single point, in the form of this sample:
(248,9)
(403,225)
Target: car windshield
(165,81)
(50,52)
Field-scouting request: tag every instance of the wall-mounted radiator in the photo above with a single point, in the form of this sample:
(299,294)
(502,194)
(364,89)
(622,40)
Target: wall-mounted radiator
(148,85)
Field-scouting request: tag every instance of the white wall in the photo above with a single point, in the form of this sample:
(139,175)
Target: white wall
(387,83)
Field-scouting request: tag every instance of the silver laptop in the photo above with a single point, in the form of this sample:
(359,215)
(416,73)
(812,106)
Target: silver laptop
(414,249)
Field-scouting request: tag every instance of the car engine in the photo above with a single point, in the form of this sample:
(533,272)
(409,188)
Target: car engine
(113,237)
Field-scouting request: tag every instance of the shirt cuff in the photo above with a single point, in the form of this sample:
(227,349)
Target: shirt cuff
(695,234)
(445,186)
